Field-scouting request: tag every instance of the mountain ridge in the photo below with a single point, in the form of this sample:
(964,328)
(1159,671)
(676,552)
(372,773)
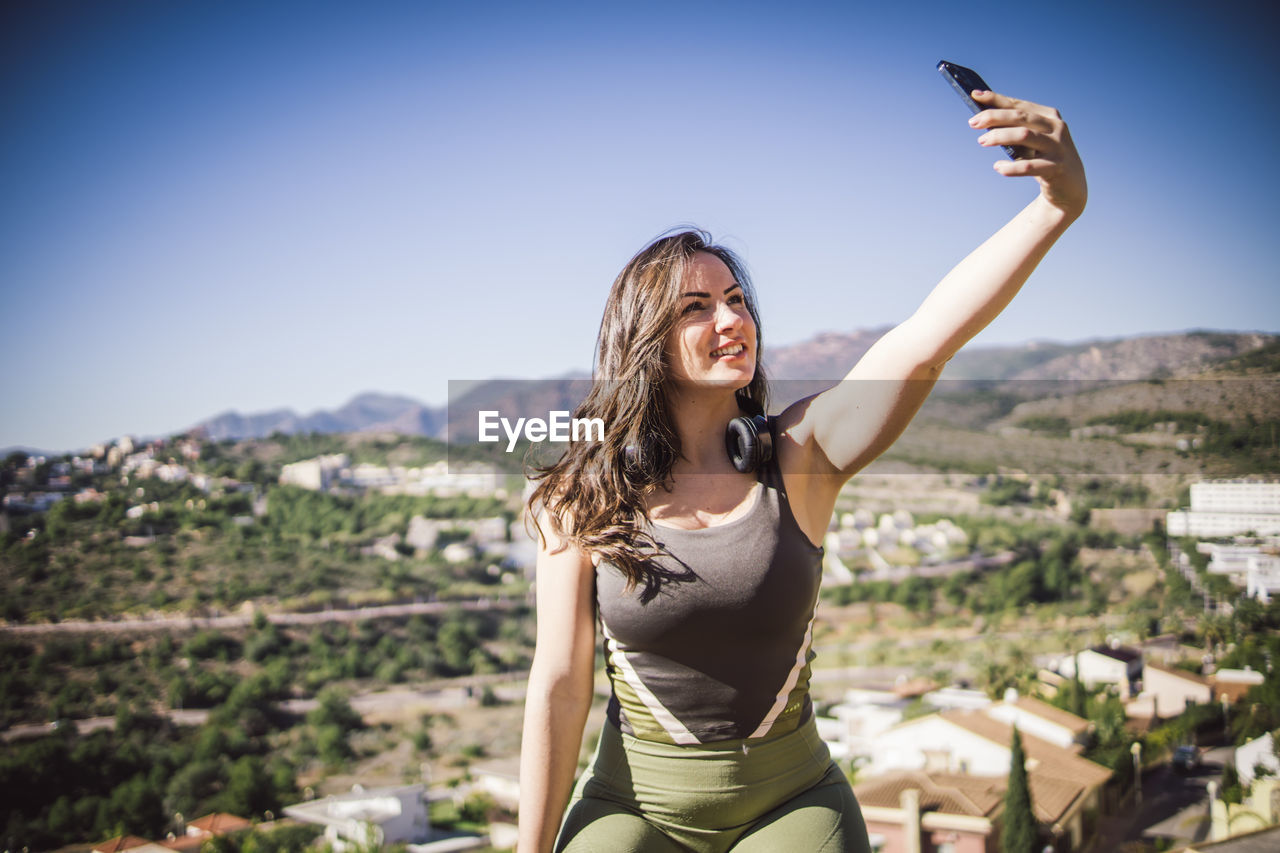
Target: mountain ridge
(825,357)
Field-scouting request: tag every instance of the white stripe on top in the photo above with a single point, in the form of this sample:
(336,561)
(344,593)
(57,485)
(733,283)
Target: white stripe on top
(802,657)
(665,718)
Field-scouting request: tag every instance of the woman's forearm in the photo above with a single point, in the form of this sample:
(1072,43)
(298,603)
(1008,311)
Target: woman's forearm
(979,287)
(855,421)
(553,722)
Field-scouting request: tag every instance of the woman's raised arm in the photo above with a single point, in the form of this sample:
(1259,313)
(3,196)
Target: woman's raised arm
(837,432)
(560,689)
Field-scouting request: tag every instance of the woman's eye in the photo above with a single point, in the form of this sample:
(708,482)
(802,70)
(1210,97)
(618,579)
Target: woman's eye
(691,307)
(736,299)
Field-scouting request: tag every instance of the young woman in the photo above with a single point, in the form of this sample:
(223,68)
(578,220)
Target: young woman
(705,578)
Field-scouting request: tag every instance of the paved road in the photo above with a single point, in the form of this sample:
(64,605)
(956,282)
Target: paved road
(1174,805)
(194,717)
(187,623)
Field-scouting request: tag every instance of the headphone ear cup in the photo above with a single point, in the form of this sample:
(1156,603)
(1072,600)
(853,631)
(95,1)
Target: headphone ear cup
(749,442)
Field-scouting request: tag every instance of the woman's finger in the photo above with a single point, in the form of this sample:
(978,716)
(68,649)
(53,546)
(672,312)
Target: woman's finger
(1038,167)
(1010,117)
(998,101)
(1021,137)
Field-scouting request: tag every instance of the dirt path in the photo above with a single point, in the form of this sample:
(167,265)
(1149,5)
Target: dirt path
(191,623)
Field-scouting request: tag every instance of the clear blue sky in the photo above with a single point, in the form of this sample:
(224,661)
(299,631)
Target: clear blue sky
(218,205)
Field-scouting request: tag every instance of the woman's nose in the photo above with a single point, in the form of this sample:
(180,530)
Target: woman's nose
(727,317)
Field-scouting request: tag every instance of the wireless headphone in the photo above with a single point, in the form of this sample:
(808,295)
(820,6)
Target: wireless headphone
(749,442)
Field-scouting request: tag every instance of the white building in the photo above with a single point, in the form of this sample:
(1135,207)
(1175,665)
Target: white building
(1247,566)
(1034,717)
(1258,752)
(951,698)
(1167,692)
(314,474)
(834,571)
(852,726)
(500,779)
(1229,508)
(378,815)
(1118,665)
(972,742)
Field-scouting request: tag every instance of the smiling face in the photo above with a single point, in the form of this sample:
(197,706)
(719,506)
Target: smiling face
(714,339)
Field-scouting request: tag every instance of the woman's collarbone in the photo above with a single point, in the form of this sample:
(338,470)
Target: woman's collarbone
(700,509)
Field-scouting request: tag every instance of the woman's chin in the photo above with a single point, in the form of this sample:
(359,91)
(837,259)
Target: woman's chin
(728,384)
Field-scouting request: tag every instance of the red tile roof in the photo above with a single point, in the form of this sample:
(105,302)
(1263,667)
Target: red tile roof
(955,794)
(1053,714)
(120,842)
(219,823)
(1053,760)
(972,796)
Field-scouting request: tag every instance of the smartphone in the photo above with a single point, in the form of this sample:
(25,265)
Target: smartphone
(965,80)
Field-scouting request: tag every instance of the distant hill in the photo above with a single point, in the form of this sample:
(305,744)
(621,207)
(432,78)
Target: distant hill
(369,412)
(830,356)
(1179,356)
(824,358)
(6,452)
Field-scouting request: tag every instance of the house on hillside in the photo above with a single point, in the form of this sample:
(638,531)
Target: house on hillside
(1045,721)
(947,698)
(197,833)
(1106,664)
(1259,752)
(500,779)
(1167,692)
(1234,683)
(1259,810)
(380,815)
(218,823)
(119,844)
(915,811)
(851,726)
(1228,508)
(973,743)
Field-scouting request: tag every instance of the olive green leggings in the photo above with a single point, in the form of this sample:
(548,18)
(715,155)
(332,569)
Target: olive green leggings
(781,795)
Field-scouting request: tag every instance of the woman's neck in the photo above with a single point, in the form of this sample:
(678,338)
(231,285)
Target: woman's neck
(700,417)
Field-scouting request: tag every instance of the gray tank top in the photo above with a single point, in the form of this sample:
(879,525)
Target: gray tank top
(722,651)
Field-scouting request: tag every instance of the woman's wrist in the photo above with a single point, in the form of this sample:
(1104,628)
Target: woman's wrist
(1051,217)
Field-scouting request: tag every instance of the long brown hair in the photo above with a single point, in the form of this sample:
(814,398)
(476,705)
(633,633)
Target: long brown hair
(594,494)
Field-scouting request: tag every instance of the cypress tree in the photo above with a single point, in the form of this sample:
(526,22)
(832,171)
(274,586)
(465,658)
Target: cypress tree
(1078,705)
(1018,835)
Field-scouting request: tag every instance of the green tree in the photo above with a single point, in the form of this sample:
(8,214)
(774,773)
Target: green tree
(192,785)
(249,788)
(1078,696)
(1232,789)
(331,745)
(1018,835)
(334,710)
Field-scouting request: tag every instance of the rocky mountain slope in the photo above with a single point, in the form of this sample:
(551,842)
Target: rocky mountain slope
(826,357)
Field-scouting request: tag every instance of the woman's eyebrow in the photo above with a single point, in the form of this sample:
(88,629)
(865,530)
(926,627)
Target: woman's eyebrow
(702,294)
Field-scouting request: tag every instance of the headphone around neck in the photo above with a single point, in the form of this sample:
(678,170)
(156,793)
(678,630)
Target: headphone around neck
(749,441)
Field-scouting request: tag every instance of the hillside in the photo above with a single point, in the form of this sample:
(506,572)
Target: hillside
(804,368)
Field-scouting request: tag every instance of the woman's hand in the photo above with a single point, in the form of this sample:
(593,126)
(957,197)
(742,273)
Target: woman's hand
(1051,155)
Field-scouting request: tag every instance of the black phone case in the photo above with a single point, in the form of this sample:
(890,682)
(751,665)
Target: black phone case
(965,80)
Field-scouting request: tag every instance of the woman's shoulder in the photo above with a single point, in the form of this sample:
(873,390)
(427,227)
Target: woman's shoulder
(553,523)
